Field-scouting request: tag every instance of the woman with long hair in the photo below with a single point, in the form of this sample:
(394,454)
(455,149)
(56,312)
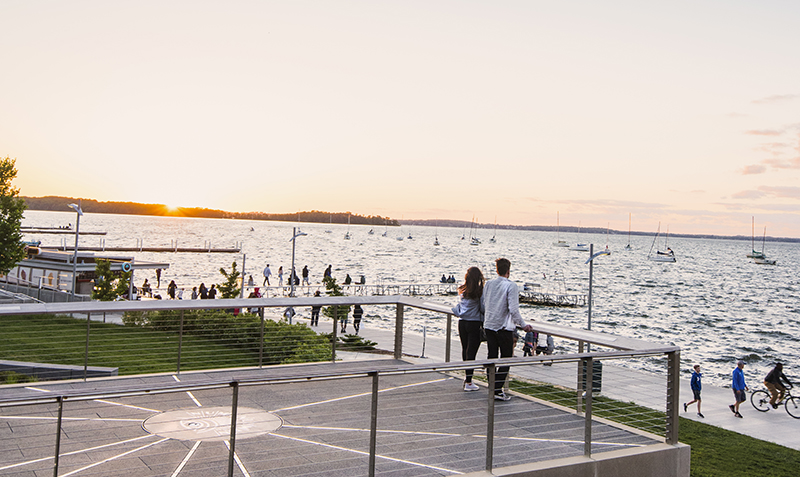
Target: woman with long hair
(470,312)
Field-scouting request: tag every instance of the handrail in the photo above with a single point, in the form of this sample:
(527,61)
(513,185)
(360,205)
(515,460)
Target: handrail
(587,336)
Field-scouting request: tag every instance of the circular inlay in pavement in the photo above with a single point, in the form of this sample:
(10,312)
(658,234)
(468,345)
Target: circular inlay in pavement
(211,423)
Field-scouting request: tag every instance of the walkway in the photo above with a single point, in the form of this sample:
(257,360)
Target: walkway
(643,388)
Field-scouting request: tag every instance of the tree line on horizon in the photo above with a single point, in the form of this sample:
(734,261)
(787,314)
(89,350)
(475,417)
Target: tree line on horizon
(56,203)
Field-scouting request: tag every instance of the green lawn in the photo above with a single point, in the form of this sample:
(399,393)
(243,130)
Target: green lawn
(134,350)
(715,451)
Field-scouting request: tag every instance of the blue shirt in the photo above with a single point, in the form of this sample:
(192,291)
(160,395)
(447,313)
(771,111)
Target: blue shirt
(738,379)
(469,309)
(696,384)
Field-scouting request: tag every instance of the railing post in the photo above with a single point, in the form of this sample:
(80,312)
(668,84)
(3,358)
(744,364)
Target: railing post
(86,351)
(234,409)
(373,424)
(180,343)
(261,339)
(447,341)
(334,336)
(673,396)
(398,332)
(587,415)
(58,435)
(490,373)
(581,385)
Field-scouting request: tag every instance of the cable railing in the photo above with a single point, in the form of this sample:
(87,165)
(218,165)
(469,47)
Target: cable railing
(188,339)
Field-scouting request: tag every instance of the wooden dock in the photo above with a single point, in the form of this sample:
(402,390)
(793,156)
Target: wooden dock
(170,249)
(383,289)
(28,230)
(550,299)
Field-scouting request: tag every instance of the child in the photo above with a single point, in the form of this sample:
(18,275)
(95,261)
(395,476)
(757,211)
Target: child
(696,388)
(531,338)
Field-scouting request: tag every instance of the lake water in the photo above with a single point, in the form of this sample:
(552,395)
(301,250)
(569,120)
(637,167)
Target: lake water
(714,303)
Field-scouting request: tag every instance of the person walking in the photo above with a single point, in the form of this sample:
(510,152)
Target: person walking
(696,386)
(328,271)
(267,273)
(470,312)
(194,293)
(358,312)
(203,291)
(212,293)
(280,276)
(739,387)
(501,302)
(305,275)
(171,289)
(776,388)
(315,312)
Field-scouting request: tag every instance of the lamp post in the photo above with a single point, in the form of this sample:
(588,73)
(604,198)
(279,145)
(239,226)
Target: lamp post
(590,261)
(77,209)
(295,233)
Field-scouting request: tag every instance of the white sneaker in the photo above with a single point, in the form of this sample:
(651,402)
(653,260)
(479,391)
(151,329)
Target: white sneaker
(470,387)
(501,396)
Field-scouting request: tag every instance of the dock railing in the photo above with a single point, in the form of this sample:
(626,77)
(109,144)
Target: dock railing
(178,333)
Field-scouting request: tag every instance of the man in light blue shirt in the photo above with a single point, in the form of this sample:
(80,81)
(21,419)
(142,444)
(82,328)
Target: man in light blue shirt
(501,301)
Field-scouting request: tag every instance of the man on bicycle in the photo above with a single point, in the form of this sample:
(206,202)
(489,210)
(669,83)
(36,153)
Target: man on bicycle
(773,383)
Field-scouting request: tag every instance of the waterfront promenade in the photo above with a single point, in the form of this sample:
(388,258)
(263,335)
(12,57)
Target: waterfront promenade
(624,384)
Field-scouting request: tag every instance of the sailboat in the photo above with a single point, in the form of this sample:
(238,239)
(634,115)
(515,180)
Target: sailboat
(754,254)
(436,236)
(628,247)
(492,240)
(329,231)
(386,231)
(473,240)
(559,242)
(763,260)
(347,234)
(580,247)
(666,256)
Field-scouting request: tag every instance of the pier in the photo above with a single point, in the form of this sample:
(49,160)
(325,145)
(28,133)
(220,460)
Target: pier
(551,299)
(140,247)
(27,230)
(381,289)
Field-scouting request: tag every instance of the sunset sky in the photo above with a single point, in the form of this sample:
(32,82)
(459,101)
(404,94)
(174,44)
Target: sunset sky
(684,113)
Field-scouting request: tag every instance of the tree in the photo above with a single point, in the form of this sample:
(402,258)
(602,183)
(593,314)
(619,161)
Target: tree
(12,250)
(230,288)
(334,290)
(107,285)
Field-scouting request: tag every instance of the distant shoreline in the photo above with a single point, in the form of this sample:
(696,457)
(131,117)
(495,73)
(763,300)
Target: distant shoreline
(61,204)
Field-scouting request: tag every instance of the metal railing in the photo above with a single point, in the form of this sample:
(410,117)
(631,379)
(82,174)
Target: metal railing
(607,348)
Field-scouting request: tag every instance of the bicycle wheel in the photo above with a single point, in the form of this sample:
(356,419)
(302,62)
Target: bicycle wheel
(792,406)
(760,401)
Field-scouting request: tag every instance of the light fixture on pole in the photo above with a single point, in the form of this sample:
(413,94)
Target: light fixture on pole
(295,233)
(77,209)
(590,261)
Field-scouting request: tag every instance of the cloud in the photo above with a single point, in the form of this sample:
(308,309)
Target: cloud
(773,147)
(776,98)
(783,163)
(736,115)
(786,192)
(754,169)
(781,192)
(748,194)
(764,132)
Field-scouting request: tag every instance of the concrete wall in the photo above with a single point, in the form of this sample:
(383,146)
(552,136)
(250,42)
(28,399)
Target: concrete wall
(660,460)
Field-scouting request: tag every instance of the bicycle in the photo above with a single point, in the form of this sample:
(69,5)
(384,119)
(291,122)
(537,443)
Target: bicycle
(760,400)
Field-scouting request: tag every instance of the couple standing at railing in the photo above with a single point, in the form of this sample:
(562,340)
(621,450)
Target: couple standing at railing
(492,308)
